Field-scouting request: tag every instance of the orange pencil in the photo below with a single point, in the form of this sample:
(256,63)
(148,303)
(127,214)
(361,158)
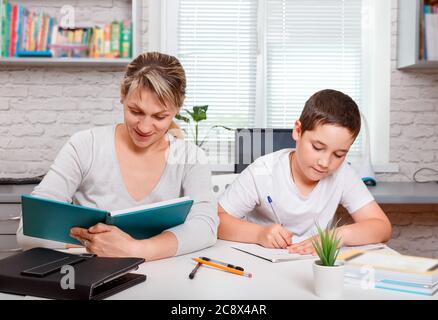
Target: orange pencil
(212,264)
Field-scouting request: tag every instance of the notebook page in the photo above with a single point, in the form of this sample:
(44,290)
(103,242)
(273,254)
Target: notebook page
(274,255)
(149,206)
(399,262)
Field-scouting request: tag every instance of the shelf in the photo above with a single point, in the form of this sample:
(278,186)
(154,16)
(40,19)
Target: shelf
(64,62)
(136,8)
(408,40)
(420,65)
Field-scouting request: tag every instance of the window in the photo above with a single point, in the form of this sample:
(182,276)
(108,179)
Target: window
(217,47)
(255,63)
(310,45)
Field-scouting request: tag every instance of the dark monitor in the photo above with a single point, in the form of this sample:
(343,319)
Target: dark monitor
(253,143)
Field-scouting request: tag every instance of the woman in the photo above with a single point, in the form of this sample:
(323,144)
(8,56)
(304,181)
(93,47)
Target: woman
(134,163)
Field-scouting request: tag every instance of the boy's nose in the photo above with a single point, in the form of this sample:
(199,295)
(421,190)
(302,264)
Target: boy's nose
(323,163)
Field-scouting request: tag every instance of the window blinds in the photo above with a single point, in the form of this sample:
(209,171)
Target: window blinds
(311,45)
(217,47)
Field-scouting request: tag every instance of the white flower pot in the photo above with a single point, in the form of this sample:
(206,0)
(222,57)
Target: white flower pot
(328,281)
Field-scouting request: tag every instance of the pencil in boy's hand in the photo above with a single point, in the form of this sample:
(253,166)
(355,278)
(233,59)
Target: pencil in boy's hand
(215,265)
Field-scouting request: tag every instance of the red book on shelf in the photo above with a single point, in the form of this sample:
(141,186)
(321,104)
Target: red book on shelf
(39,32)
(29,31)
(13,34)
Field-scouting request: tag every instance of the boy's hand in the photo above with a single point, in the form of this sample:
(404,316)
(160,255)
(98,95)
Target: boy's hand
(303,247)
(274,236)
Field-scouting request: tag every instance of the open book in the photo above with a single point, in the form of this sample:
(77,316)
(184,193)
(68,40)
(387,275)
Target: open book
(52,220)
(279,255)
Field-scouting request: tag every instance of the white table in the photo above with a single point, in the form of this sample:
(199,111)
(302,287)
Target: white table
(405,192)
(167,279)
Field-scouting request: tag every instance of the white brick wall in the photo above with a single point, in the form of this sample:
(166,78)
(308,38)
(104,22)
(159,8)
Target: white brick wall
(40,108)
(52,103)
(414,116)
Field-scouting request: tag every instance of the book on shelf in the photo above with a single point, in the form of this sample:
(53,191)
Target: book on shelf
(430,32)
(126,43)
(116,39)
(25,33)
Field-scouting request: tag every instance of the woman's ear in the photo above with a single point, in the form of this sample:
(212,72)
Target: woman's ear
(296,131)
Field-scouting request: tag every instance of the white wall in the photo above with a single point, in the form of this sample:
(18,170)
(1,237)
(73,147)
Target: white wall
(413,117)
(41,107)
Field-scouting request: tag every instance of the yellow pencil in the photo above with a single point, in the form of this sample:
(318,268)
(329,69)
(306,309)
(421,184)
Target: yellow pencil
(212,264)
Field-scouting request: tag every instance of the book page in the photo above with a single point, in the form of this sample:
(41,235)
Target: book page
(395,262)
(366,247)
(149,206)
(274,255)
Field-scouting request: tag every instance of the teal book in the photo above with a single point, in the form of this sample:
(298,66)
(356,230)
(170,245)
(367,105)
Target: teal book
(52,220)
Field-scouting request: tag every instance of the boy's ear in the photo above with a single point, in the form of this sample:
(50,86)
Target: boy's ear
(296,131)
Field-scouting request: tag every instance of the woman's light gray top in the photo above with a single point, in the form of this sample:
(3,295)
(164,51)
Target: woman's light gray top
(86,172)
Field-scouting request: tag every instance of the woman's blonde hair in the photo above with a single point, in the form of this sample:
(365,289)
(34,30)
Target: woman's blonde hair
(162,74)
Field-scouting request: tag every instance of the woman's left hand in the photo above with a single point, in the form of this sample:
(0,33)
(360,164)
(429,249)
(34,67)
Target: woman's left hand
(106,241)
(304,247)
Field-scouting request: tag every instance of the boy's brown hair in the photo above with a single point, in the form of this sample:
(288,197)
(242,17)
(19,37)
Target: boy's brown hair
(331,107)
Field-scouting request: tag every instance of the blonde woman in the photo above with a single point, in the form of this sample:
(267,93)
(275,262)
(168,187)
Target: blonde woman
(133,163)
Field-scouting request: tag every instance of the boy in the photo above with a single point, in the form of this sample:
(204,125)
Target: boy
(282,194)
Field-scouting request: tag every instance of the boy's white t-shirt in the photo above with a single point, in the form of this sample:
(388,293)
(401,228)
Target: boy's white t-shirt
(247,196)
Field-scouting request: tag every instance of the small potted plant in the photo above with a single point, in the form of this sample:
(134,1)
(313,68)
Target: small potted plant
(328,274)
(198,114)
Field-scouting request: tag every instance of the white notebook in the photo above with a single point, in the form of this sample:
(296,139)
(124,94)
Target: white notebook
(273,255)
(279,255)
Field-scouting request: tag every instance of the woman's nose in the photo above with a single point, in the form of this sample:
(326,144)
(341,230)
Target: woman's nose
(145,125)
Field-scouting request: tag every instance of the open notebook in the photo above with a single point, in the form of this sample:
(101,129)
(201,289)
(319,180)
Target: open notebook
(279,255)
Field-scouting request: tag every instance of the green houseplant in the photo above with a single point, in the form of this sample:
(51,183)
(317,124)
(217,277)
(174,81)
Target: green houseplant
(198,114)
(328,274)
(326,246)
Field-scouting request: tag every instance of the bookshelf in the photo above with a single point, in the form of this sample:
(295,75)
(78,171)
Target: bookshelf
(409,33)
(136,11)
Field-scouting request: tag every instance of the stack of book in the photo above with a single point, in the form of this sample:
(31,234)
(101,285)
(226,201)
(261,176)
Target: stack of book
(113,40)
(391,271)
(25,32)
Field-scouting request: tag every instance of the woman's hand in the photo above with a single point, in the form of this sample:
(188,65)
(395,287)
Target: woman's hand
(304,247)
(274,236)
(72,246)
(107,241)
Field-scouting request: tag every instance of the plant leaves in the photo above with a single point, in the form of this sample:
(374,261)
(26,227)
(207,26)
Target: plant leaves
(183,118)
(199,113)
(327,246)
(220,126)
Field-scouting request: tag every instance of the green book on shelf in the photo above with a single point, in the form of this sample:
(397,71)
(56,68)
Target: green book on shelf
(6,21)
(126,46)
(52,220)
(115,39)
(1,26)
